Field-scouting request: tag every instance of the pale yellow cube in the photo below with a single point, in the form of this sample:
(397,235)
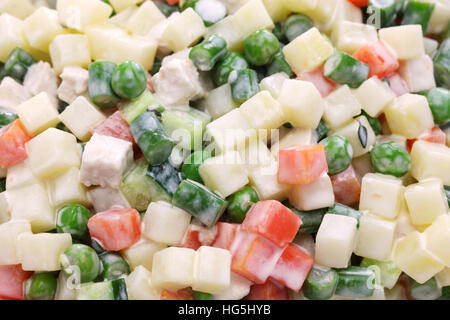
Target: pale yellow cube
(144,19)
(120,5)
(315,195)
(440,16)
(38,114)
(66,188)
(70,50)
(139,285)
(438,237)
(350,36)
(430,160)
(375,237)
(78,14)
(418,73)
(265,182)
(173,268)
(122,18)
(211,270)
(20,175)
(256,154)
(141,253)
(406,40)
(81,116)
(248,21)
(350,131)
(381,194)
(426,201)
(301,102)
(219,101)
(262,111)
(335,241)
(228,29)
(323,11)
(4,208)
(276,9)
(404,223)
(273,83)
(18,8)
(300,5)
(184,30)
(12,35)
(336,12)
(52,152)
(41,252)
(374,95)
(238,289)
(41,27)
(340,107)
(9,232)
(295,137)
(412,257)
(443,277)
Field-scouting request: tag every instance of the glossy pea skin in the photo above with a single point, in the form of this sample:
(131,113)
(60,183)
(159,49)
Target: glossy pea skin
(439,102)
(41,286)
(232,61)
(129,80)
(390,158)
(339,153)
(73,219)
(114,266)
(81,260)
(260,47)
(240,203)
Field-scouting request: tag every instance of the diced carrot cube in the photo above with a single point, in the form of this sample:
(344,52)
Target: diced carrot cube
(12,278)
(225,235)
(435,135)
(360,3)
(324,85)
(12,144)
(381,59)
(172,2)
(397,84)
(115,126)
(182,294)
(346,187)
(269,290)
(190,239)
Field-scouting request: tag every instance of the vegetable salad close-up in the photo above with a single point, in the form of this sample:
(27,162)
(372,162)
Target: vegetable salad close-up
(224,150)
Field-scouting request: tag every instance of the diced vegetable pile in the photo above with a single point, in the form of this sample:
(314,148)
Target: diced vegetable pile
(224,149)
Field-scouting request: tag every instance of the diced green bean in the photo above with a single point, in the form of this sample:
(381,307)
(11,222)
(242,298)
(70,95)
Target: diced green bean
(198,295)
(17,64)
(166,175)
(296,25)
(100,90)
(244,85)
(445,293)
(41,286)
(211,11)
(311,220)
(374,122)
(199,201)
(82,261)
(156,66)
(260,47)
(6,117)
(322,130)
(279,64)
(442,64)
(114,266)
(388,272)
(439,102)
(339,153)
(189,4)
(418,12)
(344,69)
(386,10)
(190,166)
(240,203)
(73,219)
(425,291)
(356,282)
(232,61)
(206,54)
(129,80)
(321,283)
(390,158)
(344,210)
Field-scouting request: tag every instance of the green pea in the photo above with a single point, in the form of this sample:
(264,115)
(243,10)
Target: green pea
(41,286)
(240,203)
(296,25)
(339,153)
(73,219)
(244,85)
(232,61)
(390,158)
(82,261)
(114,266)
(439,102)
(129,80)
(260,47)
(192,163)
(198,295)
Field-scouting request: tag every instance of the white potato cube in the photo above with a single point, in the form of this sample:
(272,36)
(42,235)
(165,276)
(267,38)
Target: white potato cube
(301,102)
(41,77)
(65,188)
(381,194)
(273,83)
(412,257)
(139,285)
(103,198)
(144,19)
(239,288)
(373,95)
(18,8)
(38,114)
(307,51)
(12,94)
(340,107)
(20,175)
(300,5)
(41,252)
(122,18)
(70,50)
(430,46)
(265,182)
(4,208)
(41,27)
(105,161)
(248,21)
(120,5)
(315,195)
(295,137)
(262,111)
(438,237)
(9,232)
(440,16)
(12,35)
(406,40)
(350,131)
(335,241)
(443,277)
(375,237)
(52,152)
(74,84)
(78,14)
(228,29)
(141,253)
(350,36)
(81,117)
(173,268)
(329,13)
(219,101)
(65,289)
(418,73)
(276,9)
(430,160)
(255,154)
(211,270)
(165,223)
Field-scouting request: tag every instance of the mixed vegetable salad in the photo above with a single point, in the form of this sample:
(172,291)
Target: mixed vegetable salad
(224,149)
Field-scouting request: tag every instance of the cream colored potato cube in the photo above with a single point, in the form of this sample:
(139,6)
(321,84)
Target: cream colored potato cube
(144,19)
(74,83)
(404,223)
(139,285)
(340,107)
(122,18)
(219,101)
(336,12)
(211,270)
(9,232)
(255,154)
(301,102)
(273,83)
(12,35)
(381,194)
(350,36)
(70,50)
(295,137)
(120,5)
(81,117)
(78,14)
(300,5)
(276,9)
(438,237)
(426,201)
(30,202)
(12,94)
(52,152)
(443,277)
(418,73)
(308,51)
(41,27)
(335,241)
(173,268)
(265,182)
(4,208)
(184,30)
(406,40)
(20,175)
(38,114)
(350,131)
(375,237)
(224,174)
(262,111)
(315,195)
(430,160)
(165,223)
(440,16)
(239,288)
(65,288)
(228,29)
(65,188)
(141,253)
(373,95)
(412,257)
(103,198)
(248,21)
(41,252)
(18,8)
